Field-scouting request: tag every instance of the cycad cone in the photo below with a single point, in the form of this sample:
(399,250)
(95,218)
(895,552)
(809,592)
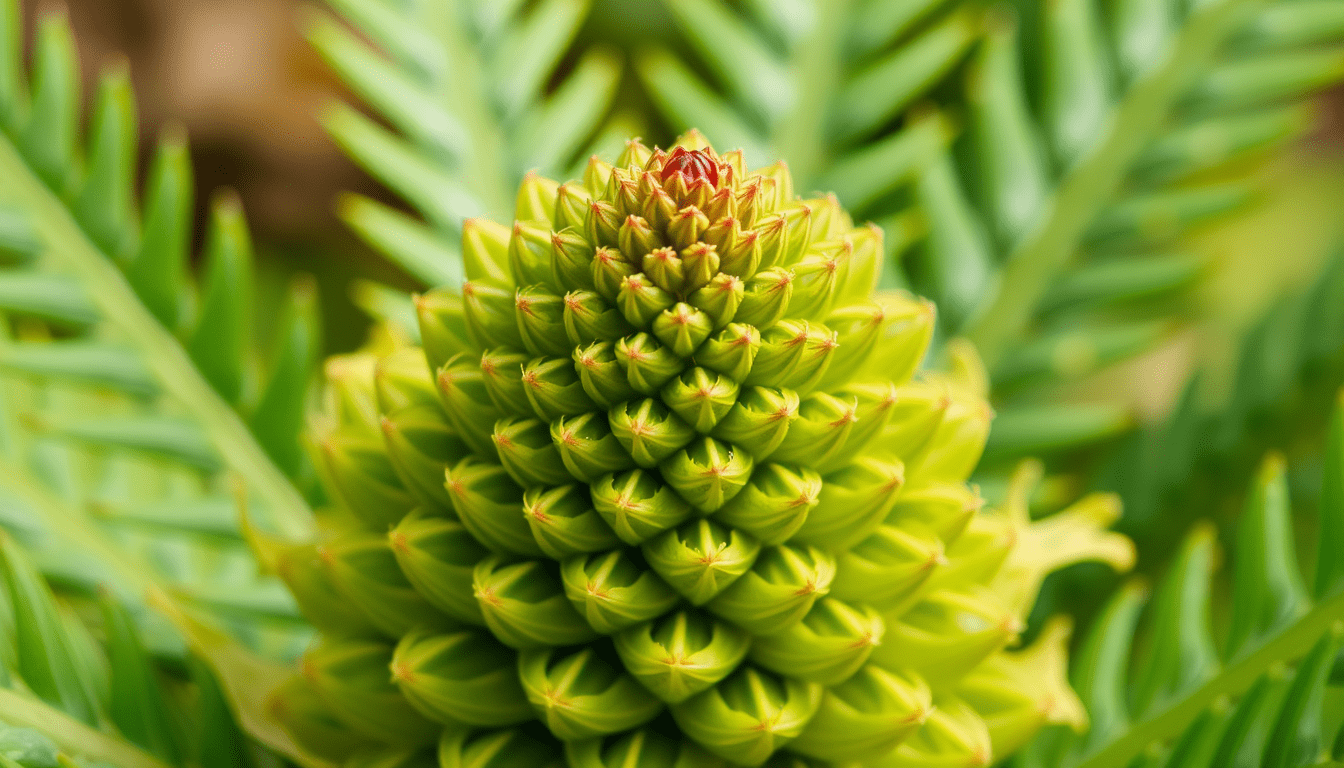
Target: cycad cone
(663,489)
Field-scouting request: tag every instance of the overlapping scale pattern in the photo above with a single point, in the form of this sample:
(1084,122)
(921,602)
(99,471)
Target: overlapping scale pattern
(662,488)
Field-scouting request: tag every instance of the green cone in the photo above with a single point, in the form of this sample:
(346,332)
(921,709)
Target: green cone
(490,506)
(512,748)
(682,654)
(857,500)
(866,717)
(421,446)
(637,505)
(750,715)
(778,591)
(644,748)
(564,523)
(579,696)
(527,452)
(613,592)
(438,556)
(524,604)
(707,473)
(588,447)
(352,679)
(701,559)
(888,569)
(460,678)
(364,569)
(774,504)
(664,487)
(305,717)
(828,646)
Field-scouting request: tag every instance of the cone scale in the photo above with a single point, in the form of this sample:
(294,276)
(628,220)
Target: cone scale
(669,472)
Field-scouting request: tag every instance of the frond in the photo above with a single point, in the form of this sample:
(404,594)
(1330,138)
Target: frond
(136,419)
(80,681)
(1253,698)
(474,101)
(80,254)
(1044,210)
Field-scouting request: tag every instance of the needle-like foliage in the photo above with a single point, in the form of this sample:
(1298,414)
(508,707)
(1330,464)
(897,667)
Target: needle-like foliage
(1048,228)
(476,96)
(1255,696)
(136,418)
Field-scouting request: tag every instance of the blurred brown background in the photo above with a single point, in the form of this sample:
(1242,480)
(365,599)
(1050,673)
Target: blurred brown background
(246,86)
(239,78)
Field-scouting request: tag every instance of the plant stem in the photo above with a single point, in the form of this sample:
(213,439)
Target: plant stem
(70,247)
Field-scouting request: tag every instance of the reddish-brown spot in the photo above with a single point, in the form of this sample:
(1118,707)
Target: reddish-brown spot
(401,672)
(524,305)
(530,379)
(456,488)
(488,595)
(689,212)
(399,541)
(569,439)
(918,716)
(488,367)
(695,164)
(848,417)
(573,304)
(783,413)
(807,589)
(863,642)
(555,698)
(596,591)
(502,441)
(802,501)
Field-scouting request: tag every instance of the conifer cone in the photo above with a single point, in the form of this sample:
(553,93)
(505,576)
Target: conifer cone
(662,488)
